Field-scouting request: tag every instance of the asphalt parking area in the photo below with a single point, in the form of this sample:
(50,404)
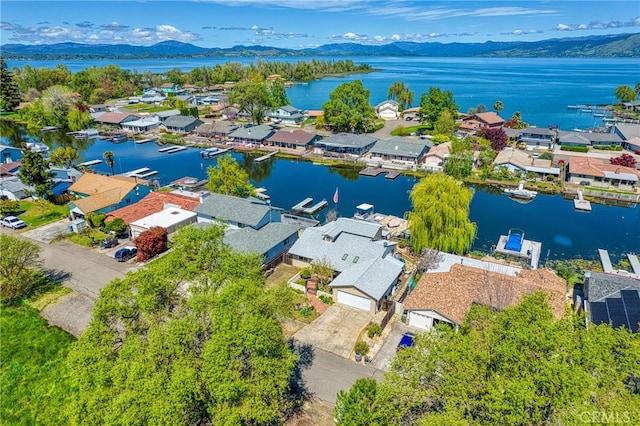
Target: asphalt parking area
(336,331)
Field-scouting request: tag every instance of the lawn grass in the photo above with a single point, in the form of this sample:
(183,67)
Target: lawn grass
(34,217)
(40,302)
(88,238)
(35,381)
(406,131)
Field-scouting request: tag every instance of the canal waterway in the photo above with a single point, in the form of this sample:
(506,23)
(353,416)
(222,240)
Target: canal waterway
(564,232)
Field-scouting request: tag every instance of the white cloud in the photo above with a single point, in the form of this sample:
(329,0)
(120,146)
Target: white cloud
(598,25)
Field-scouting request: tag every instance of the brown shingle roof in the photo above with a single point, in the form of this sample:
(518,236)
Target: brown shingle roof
(298,137)
(101,191)
(153,203)
(489,118)
(113,117)
(596,167)
(452,293)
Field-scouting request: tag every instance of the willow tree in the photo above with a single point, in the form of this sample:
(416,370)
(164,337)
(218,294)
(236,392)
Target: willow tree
(440,215)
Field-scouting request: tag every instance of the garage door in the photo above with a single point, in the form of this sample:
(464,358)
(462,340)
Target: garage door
(420,320)
(354,301)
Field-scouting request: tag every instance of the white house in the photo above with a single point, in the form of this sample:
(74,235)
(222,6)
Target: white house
(171,219)
(388,110)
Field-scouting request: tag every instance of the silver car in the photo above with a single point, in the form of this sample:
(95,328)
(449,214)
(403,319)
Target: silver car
(12,222)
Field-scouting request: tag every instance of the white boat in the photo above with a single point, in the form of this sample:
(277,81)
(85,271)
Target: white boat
(520,192)
(37,147)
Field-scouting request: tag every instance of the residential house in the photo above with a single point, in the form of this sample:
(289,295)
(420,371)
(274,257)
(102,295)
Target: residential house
(163,115)
(399,151)
(447,297)
(388,110)
(630,134)
(257,135)
(9,169)
(572,139)
(518,161)
(218,129)
(180,124)
(153,202)
(612,299)
(10,154)
(596,172)
(437,155)
(631,106)
(287,115)
(98,108)
(115,119)
(293,139)
(102,194)
(170,88)
(473,123)
(367,271)
(171,219)
(608,139)
(143,125)
(538,137)
(411,113)
(345,143)
(253,226)
(63,179)
(13,188)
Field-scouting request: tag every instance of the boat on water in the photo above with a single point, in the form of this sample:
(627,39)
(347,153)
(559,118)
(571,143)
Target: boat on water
(521,192)
(84,134)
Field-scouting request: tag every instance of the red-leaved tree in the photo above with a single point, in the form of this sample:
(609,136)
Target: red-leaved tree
(151,243)
(496,136)
(624,160)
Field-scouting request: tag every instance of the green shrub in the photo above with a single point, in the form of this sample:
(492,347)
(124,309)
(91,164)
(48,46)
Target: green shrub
(401,131)
(374,330)
(95,220)
(305,273)
(326,299)
(438,139)
(574,148)
(117,226)
(402,243)
(546,156)
(361,347)
(306,311)
(611,147)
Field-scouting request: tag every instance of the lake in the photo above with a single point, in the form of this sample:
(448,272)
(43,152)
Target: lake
(564,232)
(540,88)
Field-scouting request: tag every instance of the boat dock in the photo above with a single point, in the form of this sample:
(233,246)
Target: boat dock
(635,264)
(213,152)
(176,149)
(166,148)
(264,157)
(146,140)
(580,203)
(141,173)
(515,245)
(90,163)
(607,267)
(372,171)
(304,206)
(392,174)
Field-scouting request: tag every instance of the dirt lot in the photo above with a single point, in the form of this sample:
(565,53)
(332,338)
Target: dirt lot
(316,413)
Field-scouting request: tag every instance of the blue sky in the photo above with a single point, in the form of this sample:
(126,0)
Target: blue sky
(307,23)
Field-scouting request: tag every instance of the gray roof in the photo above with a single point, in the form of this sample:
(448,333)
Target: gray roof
(169,113)
(602,137)
(372,277)
(220,127)
(14,185)
(249,240)
(398,146)
(258,133)
(180,121)
(573,137)
(348,140)
(226,208)
(512,133)
(348,240)
(544,131)
(288,108)
(601,286)
(628,131)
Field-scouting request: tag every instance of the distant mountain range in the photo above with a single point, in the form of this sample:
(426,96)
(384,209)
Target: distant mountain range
(606,46)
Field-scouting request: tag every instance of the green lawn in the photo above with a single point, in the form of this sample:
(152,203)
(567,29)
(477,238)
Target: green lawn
(87,239)
(34,379)
(34,217)
(406,131)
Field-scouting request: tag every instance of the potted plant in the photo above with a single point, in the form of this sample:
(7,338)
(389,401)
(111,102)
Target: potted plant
(361,348)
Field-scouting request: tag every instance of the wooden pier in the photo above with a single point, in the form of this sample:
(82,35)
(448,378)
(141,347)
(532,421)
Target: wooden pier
(166,148)
(213,152)
(580,203)
(635,264)
(146,140)
(173,148)
(392,174)
(304,206)
(265,157)
(141,173)
(372,171)
(607,267)
(90,163)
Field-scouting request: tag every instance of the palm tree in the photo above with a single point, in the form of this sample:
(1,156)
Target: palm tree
(498,107)
(108,156)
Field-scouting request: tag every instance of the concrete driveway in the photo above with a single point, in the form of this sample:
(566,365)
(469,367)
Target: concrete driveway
(336,331)
(47,233)
(384,357)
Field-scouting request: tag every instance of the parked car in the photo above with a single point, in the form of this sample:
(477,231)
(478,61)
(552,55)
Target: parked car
(409,118)
(12,222)
(406,341)
(109,242)
(126,253)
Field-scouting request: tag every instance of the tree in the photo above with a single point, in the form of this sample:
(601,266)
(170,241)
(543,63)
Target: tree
(78,120)
(497,107)
(277,93)
(357,407)
(348,108)
(20,268)
(497,137)
(9,92)
(400,92)
(251,97)
(518,366)
(433,103)
(192,339)
(515,122)
(445,125)
(228,178)
(429,259)
(440,215)
(109,159)
(57,102)
(34,172)
(151,242)
(64,156)
(459,164)
(625,93)
(624,160)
